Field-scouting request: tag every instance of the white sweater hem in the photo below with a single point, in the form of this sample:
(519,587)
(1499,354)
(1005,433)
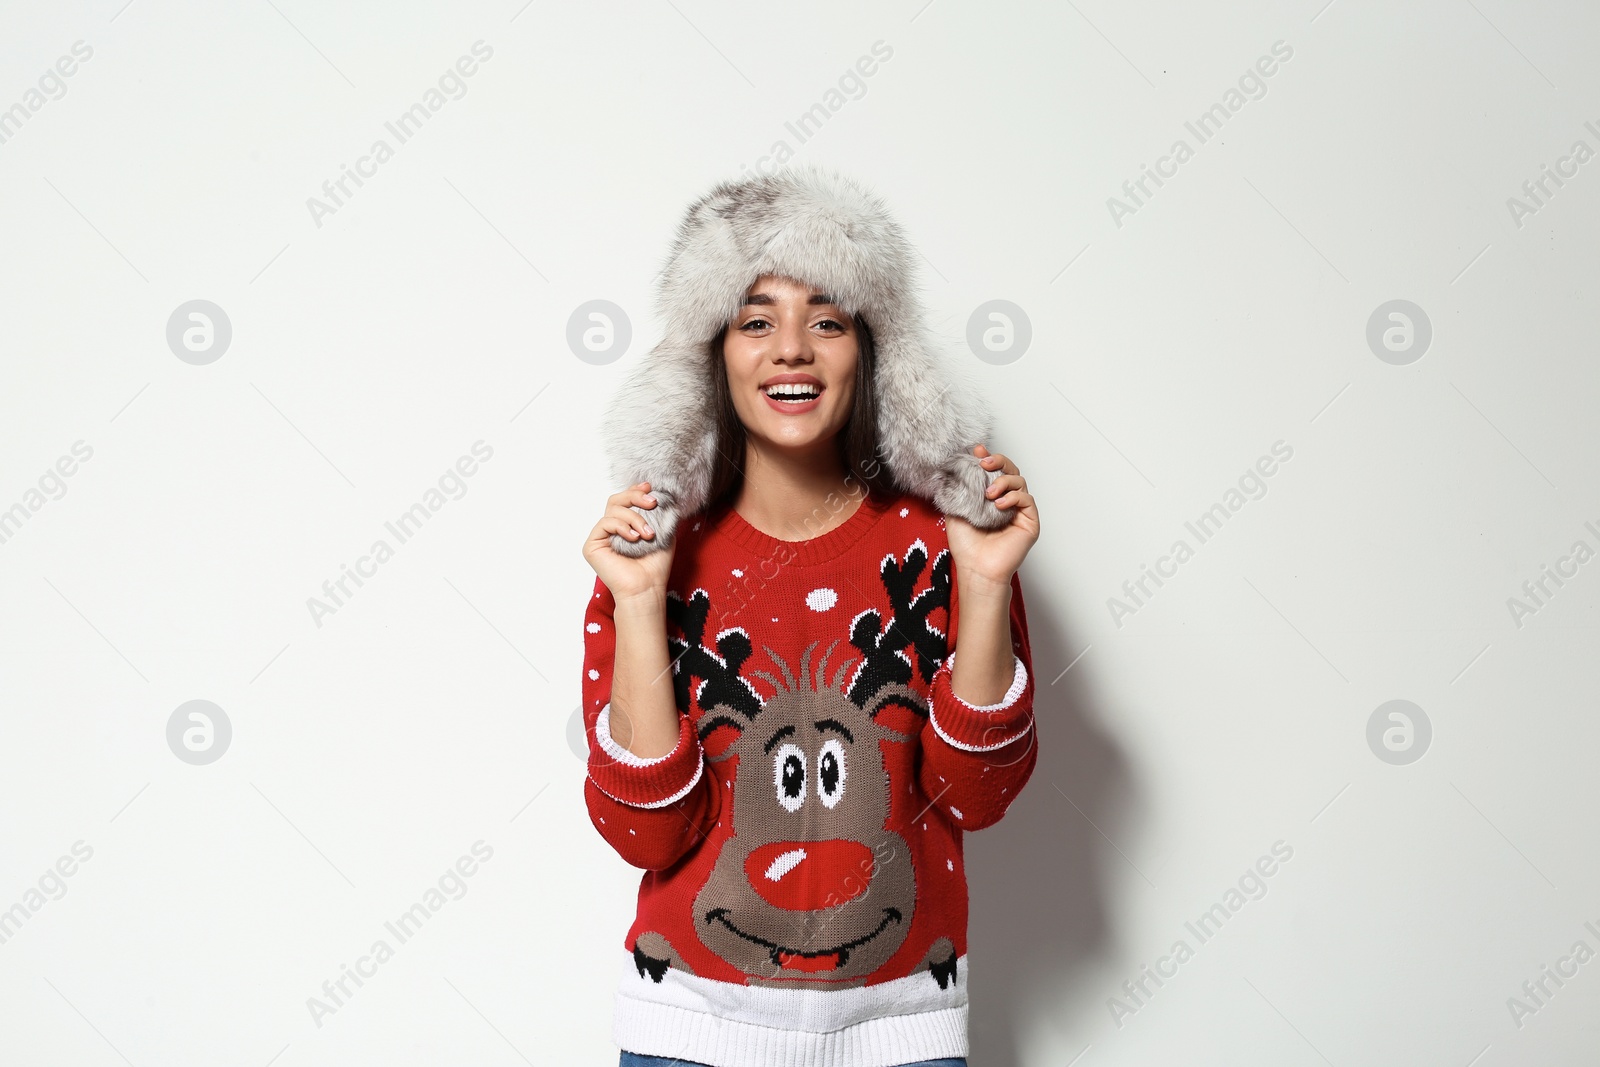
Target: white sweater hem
(704,1021)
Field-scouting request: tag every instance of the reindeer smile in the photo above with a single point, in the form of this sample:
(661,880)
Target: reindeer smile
(830,959)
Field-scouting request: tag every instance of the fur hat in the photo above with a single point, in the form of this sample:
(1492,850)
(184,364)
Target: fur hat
(818,227)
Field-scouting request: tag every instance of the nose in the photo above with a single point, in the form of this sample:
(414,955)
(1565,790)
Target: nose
(809,875)
(793,341)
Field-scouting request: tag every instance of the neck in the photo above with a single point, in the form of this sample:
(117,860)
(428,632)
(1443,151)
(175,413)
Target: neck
(795,496)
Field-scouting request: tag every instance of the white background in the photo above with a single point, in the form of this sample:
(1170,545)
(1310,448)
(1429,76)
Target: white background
(434,708)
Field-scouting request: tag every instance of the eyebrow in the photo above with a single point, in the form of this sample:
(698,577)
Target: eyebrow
(782,731)
(835,724)
(821,724)
(764,298)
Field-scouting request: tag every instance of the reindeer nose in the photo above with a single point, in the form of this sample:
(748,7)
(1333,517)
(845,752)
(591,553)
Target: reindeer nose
(809,875)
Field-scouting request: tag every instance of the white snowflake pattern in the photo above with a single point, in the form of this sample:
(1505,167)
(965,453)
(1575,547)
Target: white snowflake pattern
(737,573)
(593,627)
(949,865)
(821,599)
(904,512)
(594,675)
(956,812)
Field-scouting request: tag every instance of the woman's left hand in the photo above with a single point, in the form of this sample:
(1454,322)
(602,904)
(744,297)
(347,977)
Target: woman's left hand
(991,557)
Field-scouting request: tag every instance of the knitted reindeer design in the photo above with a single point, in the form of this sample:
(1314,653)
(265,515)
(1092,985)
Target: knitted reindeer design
(814,889)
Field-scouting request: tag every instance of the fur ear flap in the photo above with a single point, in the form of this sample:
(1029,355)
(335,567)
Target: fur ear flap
(663,519)
(961,483)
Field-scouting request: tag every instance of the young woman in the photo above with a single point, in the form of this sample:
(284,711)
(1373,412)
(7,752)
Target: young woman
(781,733)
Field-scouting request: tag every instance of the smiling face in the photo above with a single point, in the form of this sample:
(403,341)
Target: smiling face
(791,355)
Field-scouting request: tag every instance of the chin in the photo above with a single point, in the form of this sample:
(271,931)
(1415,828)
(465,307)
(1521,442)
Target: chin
(792,433)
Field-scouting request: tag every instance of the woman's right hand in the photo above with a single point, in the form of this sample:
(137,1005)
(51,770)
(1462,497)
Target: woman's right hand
(626,576)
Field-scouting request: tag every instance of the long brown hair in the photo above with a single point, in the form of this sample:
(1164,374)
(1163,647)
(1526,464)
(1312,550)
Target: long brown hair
(857,440)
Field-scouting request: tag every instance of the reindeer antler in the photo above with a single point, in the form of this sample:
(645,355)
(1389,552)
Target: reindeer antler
(721,685)
(885,661)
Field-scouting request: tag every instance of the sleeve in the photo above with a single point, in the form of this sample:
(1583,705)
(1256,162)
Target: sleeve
(977,758)
(651,811)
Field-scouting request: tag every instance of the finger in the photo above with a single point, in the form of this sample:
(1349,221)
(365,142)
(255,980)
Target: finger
(998,463)
(1017,498)
(1001,484)
(632,492)
(630,518)
(611,525)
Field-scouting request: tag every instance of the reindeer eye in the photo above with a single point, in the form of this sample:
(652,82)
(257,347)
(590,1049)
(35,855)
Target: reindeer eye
(789,776)
(830,772)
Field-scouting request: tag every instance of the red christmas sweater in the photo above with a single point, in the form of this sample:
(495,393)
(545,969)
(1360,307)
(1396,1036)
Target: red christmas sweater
(805,901)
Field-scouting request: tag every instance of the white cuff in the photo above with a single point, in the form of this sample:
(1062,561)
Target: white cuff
(602,733)
(1019,682)
(620,755)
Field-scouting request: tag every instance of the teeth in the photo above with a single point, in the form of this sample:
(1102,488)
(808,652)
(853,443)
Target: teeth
(793,390)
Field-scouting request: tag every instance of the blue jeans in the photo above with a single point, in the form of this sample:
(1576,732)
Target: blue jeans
(634,1059)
